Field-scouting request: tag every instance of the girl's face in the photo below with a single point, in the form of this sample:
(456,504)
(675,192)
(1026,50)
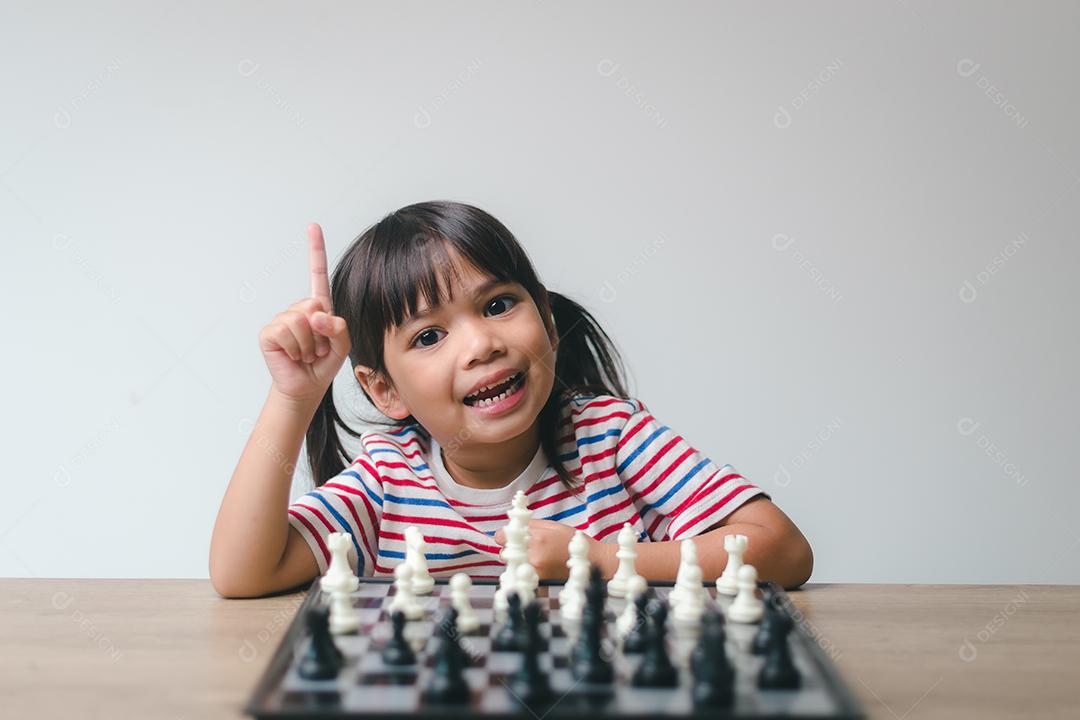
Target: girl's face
(435,360)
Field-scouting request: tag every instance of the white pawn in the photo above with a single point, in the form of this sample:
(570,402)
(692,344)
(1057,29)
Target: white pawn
(628,618)
(692,604)
(339,576)
(343,616)
(746,607)
(627,554)
(415,547)
(404,599)
(683,586)
(735,545)
(467,621)
(572,594)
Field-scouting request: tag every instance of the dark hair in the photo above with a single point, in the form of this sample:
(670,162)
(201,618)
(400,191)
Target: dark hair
(379,279)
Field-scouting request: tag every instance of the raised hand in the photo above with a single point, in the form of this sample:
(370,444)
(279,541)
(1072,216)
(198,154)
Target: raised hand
(305,345)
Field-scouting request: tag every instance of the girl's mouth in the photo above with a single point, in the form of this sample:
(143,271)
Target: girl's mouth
(499,398)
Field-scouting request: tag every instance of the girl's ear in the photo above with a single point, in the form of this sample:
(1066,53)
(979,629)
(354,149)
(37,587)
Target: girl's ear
(382,393)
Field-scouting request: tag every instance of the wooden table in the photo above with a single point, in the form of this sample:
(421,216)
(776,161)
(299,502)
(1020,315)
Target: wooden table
(175,649)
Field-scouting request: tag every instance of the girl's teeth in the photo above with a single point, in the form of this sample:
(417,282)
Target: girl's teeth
(497,398)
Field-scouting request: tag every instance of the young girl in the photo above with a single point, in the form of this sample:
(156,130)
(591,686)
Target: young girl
(492,384)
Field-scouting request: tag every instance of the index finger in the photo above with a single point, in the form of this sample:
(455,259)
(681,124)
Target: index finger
(320,280)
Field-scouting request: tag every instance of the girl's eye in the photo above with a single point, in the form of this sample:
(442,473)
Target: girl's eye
(429,332)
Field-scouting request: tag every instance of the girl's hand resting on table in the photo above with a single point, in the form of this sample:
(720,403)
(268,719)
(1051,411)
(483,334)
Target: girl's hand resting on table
(305,345)
(548,548)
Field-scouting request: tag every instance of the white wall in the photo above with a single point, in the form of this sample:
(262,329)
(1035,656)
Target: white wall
(792,204)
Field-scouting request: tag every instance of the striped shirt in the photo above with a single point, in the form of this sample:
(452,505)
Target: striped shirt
(635,469)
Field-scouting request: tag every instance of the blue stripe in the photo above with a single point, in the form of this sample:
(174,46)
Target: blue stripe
(344,524)
(590,439)
(640,448)
(693,471)
(397,554)
(604,493)
(417,501)
(363,484)
(565,513)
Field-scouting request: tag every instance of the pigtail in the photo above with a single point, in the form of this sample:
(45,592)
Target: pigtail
(325,452)
(586,362)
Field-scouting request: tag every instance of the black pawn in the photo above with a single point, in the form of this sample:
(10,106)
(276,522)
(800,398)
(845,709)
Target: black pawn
(764,636)
(398,651)
(634,642)
(447,684)
(712,616)
(510,635)
(714,677)
(530,684)
(778,671)
(449,621)
(323,660)
(656,669)
(589,662)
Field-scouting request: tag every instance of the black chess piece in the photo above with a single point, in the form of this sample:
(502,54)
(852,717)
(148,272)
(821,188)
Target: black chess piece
(714,677)
(530,684)
(634,642)
(323,659)
(778,670)
(510,635)
(449,621)
(590,663)
(447,683)
(656,668)
(398,651)
(712,617)
(763,637)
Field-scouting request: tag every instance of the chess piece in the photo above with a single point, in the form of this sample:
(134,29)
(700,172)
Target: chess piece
(467,620)
(626,554)
(656,668)
(690,608)
(746,607)
(735,546)
(447,683)
(714,677)
(404,599)
(589,662)
(510,636)
(629,616)
(687,560)
(636,638)
(516,553)
(339,576)
(343,616)
(530,684)
(764,636)
(572,594)
(779,671)
(415,556)
(323,660)
(398,651)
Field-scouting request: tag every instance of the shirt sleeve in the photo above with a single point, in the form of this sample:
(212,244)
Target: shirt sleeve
(350,502)
(679,492)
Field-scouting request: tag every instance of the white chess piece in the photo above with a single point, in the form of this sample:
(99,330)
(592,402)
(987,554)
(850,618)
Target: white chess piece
(404,599)
(692,603)
(746,607)
(627,554)
(683,587)
(572,594)
(735,546)
(524,588)
(339,576)
(415,549)
(467,620)
(628,618)
(515,552)
(343,616)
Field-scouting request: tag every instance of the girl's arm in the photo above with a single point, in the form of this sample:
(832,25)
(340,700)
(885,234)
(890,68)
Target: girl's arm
(253,550)
(777,548)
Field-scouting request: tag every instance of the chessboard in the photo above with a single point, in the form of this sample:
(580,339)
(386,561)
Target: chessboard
(367,687)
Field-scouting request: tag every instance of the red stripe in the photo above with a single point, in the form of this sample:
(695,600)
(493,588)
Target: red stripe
(398,448)
(596,421)
(482,563)
(417,520)
(438,540)
(626,436)
(712,508)
(704,490)
(314,534)
(662,476)
(373,521)
(617,526)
